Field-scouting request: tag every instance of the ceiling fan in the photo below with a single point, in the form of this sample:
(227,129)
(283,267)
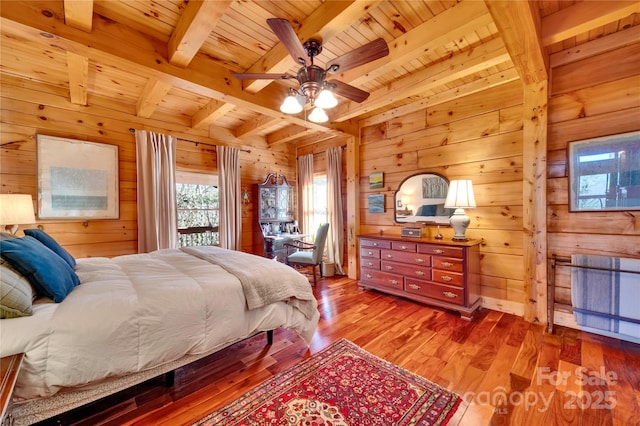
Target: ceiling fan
(314,87)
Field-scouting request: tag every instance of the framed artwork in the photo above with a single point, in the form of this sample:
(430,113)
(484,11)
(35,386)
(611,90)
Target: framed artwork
(376,180)
(376,203)
(604,173)
(77,179)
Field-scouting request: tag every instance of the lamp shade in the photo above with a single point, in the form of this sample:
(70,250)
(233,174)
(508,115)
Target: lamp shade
(290,105)
(16,209)
(460,195)
(326,100)
(318,115)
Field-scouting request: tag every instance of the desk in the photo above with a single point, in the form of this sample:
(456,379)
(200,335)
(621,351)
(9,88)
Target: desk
(274,245)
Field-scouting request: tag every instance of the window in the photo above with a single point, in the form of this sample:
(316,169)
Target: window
(198,209)
(319,201)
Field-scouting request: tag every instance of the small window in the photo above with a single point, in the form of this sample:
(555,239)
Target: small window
(198,209)
(319,200)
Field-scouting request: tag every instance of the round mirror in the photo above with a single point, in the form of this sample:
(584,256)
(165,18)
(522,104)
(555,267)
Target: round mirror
(420,198)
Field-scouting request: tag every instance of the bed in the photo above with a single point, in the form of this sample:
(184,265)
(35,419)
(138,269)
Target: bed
(135,317)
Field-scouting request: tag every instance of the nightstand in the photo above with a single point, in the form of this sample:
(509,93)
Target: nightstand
(9,368)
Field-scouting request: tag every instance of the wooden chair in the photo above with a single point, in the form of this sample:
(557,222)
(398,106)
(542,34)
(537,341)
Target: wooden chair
(308,254)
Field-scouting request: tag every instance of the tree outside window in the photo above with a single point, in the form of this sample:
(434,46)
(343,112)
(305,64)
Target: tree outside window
(198,214)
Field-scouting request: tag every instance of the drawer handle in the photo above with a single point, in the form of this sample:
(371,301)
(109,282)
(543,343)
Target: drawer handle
(389,256)
(370,253)
(394,282)
(447,264)
(449,294)
(438,251)
(414,287)
(369,276)
(389,268)
(446,278)
(403,247)
(369,264)
(421,273)
(375,244)
(419,260)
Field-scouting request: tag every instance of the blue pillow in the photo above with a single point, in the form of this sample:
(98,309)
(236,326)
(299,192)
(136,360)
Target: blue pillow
(52,244)
(50,275)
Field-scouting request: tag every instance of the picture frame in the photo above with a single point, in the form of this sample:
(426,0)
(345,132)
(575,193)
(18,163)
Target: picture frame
(376,180)
(376,203)
(604,173)
(77,179)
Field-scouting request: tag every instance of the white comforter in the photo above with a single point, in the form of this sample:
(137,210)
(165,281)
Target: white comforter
(136,312)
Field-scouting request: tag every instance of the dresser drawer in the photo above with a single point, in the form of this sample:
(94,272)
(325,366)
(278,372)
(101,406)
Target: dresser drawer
(370,263)
(445,293)
(406,257)
(447,263)
(446,251)
(402,246)
(417,271)
(381,278)
(365,242)
(369,253)
(447,277)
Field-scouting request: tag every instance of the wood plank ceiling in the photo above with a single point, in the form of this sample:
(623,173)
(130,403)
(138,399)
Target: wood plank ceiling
(175,57)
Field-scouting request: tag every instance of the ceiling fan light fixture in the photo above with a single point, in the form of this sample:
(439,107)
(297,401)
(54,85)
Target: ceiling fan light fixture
(318,115)
(326,99)
(291,105)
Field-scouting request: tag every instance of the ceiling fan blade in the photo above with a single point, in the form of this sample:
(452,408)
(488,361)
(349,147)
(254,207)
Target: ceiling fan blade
(348,91)
(283,29)
(261,76)
(369,52)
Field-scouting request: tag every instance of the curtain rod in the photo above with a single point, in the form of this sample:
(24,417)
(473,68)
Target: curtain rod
(322,152)
(132,130)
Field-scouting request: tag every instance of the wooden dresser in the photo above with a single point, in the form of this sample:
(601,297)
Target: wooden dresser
(436,272)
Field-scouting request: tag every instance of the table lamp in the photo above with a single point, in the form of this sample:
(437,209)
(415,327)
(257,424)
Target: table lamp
(16,209)
(460,197)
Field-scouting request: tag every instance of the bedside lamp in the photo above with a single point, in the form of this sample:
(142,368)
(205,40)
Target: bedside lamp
(16,209)
(460,197)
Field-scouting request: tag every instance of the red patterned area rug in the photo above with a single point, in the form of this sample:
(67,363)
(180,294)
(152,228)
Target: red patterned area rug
(341,385)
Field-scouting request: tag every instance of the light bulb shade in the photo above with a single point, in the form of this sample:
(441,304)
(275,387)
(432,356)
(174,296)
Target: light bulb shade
(405,199)
(291,105)
(16,209)
(460,195)
(318,115)
(326,100)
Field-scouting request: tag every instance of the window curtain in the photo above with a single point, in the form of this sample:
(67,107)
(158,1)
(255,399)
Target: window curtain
(335,240)
(156,189)
(230,198)
(305,184)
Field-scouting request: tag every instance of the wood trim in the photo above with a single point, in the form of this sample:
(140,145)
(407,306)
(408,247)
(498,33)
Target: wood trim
(9,368)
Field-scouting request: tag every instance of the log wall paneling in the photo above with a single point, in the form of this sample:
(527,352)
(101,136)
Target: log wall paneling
(477,137)
(595,96)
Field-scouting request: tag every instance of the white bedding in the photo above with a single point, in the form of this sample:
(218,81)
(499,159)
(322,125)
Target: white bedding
(133,313)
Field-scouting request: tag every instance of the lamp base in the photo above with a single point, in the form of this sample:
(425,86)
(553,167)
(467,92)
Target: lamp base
(459,222)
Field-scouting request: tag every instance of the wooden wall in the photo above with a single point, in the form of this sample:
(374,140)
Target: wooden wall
(30,108)
(478,137)
(593,97)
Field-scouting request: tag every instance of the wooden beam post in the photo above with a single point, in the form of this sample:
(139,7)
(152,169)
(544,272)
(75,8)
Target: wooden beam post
(353,205)
(534,200)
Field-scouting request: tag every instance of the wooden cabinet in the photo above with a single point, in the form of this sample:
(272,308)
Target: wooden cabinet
(275,198)
(435,272)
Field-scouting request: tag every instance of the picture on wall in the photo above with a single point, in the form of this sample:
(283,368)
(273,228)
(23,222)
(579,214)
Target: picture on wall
(604,173)
(376,180)
(77,179)
(376,203)
(434,187)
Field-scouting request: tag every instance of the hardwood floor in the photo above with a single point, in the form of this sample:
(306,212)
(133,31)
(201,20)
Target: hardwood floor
(509,371)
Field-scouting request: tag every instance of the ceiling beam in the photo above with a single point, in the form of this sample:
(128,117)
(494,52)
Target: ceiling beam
(583,17)
(452,24)
(328,20)
(287,134)
(78,70)
(197,21)
(108,44)
(518,23)
(209,113)
(78,14)
(152,94)
(462,65)
(254,126)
